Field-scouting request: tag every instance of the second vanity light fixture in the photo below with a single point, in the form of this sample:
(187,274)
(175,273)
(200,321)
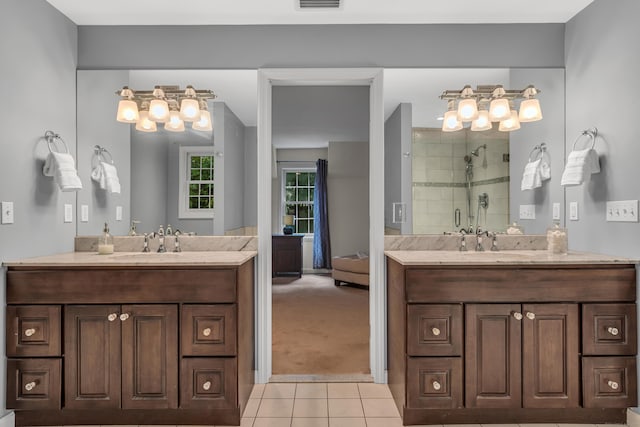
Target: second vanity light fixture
(169,105)
(487,104)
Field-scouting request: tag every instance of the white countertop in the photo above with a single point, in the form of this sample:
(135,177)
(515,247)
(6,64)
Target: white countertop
(138,259)
(515,257)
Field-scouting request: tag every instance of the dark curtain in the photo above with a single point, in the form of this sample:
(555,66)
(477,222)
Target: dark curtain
(321,243)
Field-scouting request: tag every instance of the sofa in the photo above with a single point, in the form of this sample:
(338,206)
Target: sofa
(350,269)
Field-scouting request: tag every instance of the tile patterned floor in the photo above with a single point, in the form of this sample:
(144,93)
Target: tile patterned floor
(334,405)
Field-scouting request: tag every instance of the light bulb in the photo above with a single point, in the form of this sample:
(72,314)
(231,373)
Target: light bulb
(499,109)
(189,110)
(482,122)
(451,122)
(530,110)
(467,110)
(204,124)
(144,124)
(510,124)
(175,123)
(127,111)
(159,110)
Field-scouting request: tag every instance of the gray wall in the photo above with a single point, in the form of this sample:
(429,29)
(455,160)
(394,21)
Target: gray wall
(38,52)
(398,176)
(549,130)
(238,46)
(251,176)
(234,165)
(602,69)
(97,105)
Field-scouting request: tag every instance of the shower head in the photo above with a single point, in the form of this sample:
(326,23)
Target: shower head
(476,152)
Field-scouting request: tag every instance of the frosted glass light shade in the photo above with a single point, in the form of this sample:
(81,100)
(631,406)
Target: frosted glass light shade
(511,124)
(127,111)
(499,110)
(189,110)
(451,122)
(467,110)
(204,124)
(482,122)
(144,124)
(530,111)
(159,111)
(175,123)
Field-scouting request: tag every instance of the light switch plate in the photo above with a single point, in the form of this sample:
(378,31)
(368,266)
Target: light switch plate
(556,211)
(84,213)
(7,212)
(622,211)
(573,211)
(68,213)
(118,213)
(527,211)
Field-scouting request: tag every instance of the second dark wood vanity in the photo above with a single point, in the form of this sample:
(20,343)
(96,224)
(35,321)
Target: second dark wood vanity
(144,343)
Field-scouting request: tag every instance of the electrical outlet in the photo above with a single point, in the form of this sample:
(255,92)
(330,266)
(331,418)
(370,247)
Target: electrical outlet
(622,211)
(7,213)
(527,211)
(84,213)
(556,211)
(118,213)
(573,211)
(68,213)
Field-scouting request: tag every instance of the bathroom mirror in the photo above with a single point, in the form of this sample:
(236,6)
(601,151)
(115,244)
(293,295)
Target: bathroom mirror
(166,177)
(438,182)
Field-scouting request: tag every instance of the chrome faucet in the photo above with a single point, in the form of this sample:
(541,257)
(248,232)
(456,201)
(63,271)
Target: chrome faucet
(479,234)
(494,242)
(176,242)
(463,243)
(161,247)
(147,236)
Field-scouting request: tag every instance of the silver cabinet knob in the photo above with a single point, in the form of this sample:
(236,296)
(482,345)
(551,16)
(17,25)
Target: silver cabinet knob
(613,331)
(112,317)
(436,385)
(206,332)
(517,315)
(29,332)
(30,386)
(531,315)
(435,331)
(206,386)
(614,385)
(124,316)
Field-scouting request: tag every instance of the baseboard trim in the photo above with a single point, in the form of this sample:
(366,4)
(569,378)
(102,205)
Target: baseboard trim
(323,378)
(633,417)
(8,420)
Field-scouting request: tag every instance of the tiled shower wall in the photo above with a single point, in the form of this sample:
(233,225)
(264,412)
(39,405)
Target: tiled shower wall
(439,184)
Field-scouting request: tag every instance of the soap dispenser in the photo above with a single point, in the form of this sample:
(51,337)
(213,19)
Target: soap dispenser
(105,243)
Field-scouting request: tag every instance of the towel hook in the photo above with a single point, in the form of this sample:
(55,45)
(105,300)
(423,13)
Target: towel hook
(540,149)
(51,138)
(591,133)
(100,152)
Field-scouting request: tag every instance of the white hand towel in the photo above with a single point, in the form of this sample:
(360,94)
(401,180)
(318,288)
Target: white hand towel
(62,167)
(545,169)
(580,165)
(106,175)
(531,176)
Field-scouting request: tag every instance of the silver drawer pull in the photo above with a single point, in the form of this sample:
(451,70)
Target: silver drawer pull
(30,386)
(206,332)
(112,317)
(436,385)
(435,331)
(614,385)
(29,332)
(613,331)
(517,315)
(124,316)
(206,386)
(531,315)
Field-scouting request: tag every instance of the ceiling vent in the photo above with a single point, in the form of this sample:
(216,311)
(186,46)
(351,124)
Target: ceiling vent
(319,4)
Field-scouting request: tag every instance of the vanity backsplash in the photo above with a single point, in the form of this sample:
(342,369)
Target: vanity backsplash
(187,243)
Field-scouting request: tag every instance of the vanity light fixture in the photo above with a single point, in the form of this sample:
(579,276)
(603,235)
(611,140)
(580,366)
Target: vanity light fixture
(165,104)
(472,107)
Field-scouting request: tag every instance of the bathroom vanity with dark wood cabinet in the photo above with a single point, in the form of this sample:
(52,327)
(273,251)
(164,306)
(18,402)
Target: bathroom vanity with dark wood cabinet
(150,339)
(532,340)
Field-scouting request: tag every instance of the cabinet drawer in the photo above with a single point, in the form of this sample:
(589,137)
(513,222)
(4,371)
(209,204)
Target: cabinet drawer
(208,383)
(209,330)
(434,382)
(434,330)
(609,329)
(33,384)
(33,331)
(609,382)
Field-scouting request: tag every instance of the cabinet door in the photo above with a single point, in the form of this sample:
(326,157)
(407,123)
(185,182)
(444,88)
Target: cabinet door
(551,377)
(493,356)
(286,255)
(149,356)
(92,357)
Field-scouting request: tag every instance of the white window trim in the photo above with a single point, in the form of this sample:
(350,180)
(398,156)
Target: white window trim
(183,191)
(283,184)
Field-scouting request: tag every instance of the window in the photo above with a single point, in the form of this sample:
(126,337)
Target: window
(298,198)
(196,182)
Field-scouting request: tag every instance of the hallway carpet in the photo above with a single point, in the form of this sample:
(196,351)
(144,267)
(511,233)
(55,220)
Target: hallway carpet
(319,328)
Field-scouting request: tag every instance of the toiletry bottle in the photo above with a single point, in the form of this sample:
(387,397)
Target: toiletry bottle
(105,243)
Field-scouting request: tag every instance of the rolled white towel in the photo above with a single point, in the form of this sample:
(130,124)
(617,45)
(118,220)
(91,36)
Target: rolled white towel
(580,165)
(106,175)
(531,176)
(62,168)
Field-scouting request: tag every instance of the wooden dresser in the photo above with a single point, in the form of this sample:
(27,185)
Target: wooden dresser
(129,344)
(530,343)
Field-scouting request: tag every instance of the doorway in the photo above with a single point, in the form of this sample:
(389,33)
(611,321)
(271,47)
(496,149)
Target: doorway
(267,78)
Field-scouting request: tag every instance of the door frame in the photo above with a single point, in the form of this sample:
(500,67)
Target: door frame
(372,77)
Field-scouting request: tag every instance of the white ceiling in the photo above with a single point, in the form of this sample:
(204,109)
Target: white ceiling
(272,12)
